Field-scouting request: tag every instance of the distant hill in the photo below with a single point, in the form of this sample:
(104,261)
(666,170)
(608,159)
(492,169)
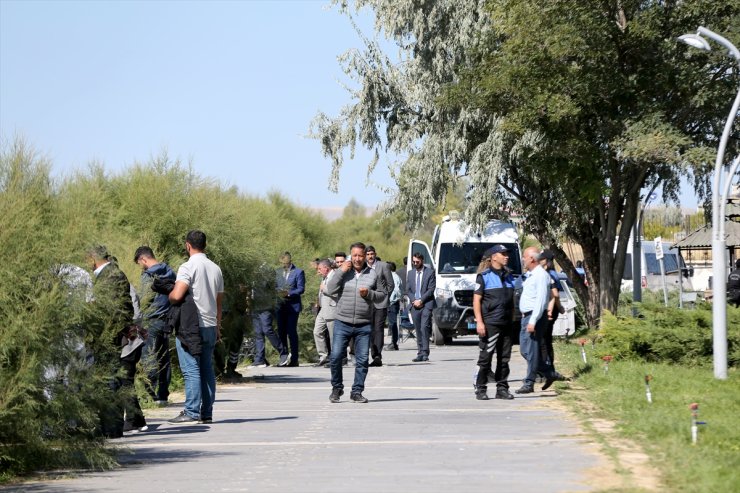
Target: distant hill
(334,213)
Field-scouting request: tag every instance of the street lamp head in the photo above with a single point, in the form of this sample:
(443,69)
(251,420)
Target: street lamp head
(695,41)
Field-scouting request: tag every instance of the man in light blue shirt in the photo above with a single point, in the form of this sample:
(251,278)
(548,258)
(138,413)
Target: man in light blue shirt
(533,305)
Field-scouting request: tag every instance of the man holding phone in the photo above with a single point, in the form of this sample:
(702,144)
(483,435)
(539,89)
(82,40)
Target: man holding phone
(354,285)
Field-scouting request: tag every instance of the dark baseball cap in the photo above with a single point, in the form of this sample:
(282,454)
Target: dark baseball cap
(496,249)
(547,254)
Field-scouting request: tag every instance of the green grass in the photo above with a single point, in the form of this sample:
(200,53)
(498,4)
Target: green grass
(662,428)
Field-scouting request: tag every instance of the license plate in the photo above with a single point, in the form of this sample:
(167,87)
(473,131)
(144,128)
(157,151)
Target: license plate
(472,325)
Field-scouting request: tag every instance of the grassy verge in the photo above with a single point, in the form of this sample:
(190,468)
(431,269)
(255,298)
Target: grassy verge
(663,428)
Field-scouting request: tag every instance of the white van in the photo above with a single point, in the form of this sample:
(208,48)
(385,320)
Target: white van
(455,255)
(650,277)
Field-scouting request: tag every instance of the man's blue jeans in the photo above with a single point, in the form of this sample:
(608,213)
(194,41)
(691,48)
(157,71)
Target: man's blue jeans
(287,322)
(200,378)
(343,332)
(155,358)
(262,323)
(530,345)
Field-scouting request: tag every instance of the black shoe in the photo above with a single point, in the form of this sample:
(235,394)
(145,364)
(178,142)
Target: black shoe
(418,359)
(481,395)
(205,421)
(293,364)
(376,362)
(335,395)
(558,377)
(504,394)
(182,418)
(548,383)
(391,347)
(524,389)
(358,398)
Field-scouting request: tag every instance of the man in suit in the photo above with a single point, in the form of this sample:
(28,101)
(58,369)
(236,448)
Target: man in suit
(420,286)
(380,312)
(112,294)
(324,326)
(291,282)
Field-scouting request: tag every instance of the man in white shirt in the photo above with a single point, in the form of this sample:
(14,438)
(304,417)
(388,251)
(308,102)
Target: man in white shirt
(533,305)
(394,306)
(202,279)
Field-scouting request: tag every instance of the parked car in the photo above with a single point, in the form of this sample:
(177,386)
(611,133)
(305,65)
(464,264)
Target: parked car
(650,277)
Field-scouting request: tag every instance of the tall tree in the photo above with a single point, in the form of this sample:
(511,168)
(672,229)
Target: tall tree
(562,112)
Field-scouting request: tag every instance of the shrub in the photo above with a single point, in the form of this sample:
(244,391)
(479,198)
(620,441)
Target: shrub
(668,334)
(48,418)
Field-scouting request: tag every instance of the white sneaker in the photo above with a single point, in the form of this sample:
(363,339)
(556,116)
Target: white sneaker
(142,429)
(261,365)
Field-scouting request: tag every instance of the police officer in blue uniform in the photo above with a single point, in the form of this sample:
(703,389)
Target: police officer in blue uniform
(493,305)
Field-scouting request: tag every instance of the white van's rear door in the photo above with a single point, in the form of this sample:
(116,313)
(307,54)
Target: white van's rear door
(423,248)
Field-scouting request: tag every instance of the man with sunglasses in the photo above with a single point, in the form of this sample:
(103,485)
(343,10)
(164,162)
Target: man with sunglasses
(420,286)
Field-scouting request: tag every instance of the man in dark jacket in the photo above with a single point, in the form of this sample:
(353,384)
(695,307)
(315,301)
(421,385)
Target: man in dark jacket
(385,284)
(154,310)
(420,286)
(112,294)
(355,286)
(262,304)
(291,283)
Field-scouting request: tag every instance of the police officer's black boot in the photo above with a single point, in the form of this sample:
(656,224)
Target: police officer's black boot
(231,372)
(480,393)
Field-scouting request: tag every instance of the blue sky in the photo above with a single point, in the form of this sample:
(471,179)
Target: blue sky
(229,86)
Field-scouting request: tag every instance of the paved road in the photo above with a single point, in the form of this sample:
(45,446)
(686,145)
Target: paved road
(423,430)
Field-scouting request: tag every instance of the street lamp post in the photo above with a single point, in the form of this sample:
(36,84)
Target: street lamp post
(719,265)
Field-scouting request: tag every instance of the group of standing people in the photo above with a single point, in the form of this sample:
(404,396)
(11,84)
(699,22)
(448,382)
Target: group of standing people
(494,308)
(356,298)
(357,295)
(188,303)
